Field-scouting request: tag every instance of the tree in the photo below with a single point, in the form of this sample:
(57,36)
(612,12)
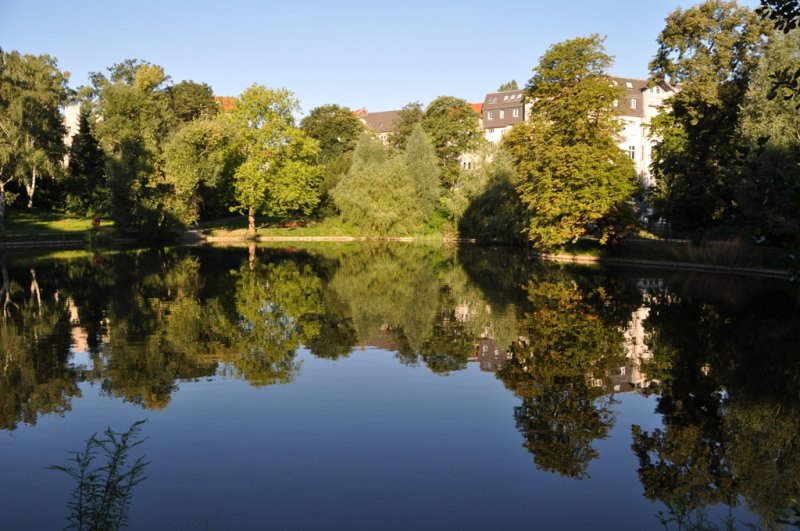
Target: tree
(570,342)
(335,128)
(711,50)
(32,92)
(454,129)
(377,194)
(199,163)
(85,184)
(424,172)
(785,14)
(511,85)
(410,115)
(278,173)
(191,101)
(134,119)
(485,205)
(573,175)
(768,191)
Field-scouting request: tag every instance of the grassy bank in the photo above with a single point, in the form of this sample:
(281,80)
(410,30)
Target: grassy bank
(31,226)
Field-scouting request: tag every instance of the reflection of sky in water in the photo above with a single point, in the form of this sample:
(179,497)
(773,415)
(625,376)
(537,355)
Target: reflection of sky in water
(80,359)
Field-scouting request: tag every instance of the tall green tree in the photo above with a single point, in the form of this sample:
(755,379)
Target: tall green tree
(454,129)
(410,115)
(32,93)
(85,185)
(785,14)
(768,191)
(199,161)
(335,128)
(135,118)
(278,173)
(573,175)
(711,50)
(511,85)
(377,194)
(191,101)
(423,170)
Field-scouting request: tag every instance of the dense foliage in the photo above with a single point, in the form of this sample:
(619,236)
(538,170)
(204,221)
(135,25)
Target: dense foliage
(573,175)
(155,155)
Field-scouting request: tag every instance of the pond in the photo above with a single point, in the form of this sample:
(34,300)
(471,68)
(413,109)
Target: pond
(399,386)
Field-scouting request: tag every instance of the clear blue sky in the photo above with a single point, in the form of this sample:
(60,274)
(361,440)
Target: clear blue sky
(375,54)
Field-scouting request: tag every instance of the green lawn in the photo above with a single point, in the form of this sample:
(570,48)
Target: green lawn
(35,225)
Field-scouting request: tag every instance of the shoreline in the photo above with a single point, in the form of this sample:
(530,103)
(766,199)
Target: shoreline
(198,238)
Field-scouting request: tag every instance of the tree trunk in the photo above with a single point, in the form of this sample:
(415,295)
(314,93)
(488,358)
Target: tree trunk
(251,222)
(36,293)
(31,188)
(5,290)
(2,208)
(251,249)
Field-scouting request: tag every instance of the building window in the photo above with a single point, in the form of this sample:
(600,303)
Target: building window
(616,103)
(515,112)
(633,103)
(490,130)
(632,152)
(502,114)
(490,115)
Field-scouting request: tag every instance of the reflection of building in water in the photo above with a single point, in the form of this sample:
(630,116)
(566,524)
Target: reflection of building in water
(630,377)
(489,355)
(80,339)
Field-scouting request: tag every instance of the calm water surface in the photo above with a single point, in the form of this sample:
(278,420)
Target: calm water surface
(400,387)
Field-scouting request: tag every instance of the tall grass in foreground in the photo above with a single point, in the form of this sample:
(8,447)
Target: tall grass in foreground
(102,495)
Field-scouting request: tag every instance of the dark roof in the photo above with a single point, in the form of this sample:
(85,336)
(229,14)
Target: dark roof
(503,100)
(506,101)
(381,122)
(633,91)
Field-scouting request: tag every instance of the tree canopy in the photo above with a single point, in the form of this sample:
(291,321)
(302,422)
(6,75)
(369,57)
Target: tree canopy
(454,129)
(410,115)
(192,100)
(711,49)
(278,172)
(32,93)
(573,175)
(335,128)
(511,85)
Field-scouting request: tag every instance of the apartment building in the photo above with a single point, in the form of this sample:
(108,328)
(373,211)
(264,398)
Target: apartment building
(379,122)
(639,105)
(501,110)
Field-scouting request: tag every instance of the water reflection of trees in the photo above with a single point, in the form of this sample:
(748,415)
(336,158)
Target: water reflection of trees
(559,369)
(34,348)
(728,369)
(730,400)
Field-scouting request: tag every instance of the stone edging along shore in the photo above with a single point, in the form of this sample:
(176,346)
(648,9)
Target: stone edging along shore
(661,264)
(196,237)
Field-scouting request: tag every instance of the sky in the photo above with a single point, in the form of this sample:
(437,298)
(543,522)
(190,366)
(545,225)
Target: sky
(376,54)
